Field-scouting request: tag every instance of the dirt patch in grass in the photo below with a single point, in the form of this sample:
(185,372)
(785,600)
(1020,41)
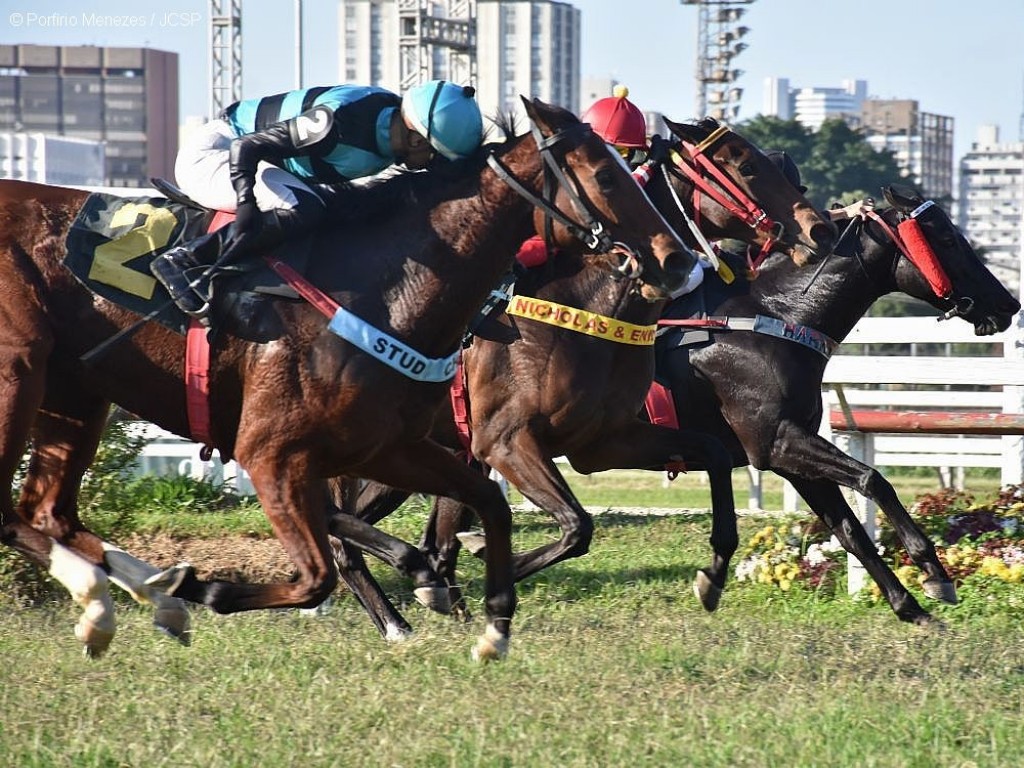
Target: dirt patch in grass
(233,558)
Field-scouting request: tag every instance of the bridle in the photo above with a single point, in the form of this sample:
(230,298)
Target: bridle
(706,177)
(589,230)
(910,242)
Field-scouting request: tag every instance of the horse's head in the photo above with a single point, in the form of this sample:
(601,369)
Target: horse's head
(601,204)
(733,190)
(938,265)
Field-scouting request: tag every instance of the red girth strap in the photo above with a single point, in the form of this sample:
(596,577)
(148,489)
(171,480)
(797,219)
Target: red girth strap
(912,243)
(460,407)
(197,367)
(661,410)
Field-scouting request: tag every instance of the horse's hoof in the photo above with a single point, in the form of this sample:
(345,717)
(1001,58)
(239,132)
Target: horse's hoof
(395,634)
(492,645)
(95,640)
(321,610)
(929,623)
(171,580)
(435,598)
(938,589)
(706,591)
(474,542)
(174,621)
(460,612)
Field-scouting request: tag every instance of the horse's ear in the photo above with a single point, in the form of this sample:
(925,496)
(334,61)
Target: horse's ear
(547,117)
(902,197)
(694,134)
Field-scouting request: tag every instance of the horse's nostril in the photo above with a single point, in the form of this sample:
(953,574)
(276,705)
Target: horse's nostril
(678,264)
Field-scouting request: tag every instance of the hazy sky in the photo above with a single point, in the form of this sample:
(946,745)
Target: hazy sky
(960,59)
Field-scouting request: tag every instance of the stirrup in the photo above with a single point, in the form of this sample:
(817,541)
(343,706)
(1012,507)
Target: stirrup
(171,269)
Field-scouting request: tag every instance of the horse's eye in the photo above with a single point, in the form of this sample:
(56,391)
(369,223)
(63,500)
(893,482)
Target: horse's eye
(605,179)
(747,169)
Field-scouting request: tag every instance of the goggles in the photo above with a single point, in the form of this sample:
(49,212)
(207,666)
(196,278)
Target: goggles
(632,155)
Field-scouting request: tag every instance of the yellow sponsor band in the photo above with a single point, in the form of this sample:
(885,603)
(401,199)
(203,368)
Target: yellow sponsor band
(581,321)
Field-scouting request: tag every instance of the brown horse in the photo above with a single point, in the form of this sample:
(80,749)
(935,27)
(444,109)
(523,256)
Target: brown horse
(305,404)
(557,392)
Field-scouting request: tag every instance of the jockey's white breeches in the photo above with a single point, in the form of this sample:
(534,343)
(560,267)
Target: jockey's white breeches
(203,172)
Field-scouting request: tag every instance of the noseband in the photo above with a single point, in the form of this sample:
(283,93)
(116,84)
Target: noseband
(589,230)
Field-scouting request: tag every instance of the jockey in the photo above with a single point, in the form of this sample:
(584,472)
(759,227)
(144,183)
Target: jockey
(263,159)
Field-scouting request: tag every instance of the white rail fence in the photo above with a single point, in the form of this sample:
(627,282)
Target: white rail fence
(982,389)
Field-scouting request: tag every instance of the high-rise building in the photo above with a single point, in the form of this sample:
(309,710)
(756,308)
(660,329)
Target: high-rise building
(990,207)
(813,106)
(125,97)
(528,47)
(922,142)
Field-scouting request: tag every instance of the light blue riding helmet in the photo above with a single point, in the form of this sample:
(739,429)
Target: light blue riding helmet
(447,115)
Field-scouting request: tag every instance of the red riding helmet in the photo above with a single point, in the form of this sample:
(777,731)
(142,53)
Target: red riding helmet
(617,120)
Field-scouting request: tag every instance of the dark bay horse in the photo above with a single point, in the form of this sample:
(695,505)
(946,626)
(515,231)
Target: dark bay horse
(556,392)
(305,404)
(761,395)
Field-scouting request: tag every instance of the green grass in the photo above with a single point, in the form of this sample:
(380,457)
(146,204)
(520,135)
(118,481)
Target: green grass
(613,663)
(636,488)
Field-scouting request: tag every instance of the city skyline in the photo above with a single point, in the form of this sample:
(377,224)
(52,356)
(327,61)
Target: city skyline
(955,59)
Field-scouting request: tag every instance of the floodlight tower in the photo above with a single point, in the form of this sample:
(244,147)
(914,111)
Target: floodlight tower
(719,40)
(436,46)
(225,54)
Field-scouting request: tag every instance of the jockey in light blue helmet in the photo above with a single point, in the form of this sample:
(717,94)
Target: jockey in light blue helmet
(447,115)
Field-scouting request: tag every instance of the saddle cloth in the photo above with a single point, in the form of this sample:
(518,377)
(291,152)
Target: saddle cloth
(113,240)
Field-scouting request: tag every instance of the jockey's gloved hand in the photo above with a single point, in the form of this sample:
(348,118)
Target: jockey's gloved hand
(659,150)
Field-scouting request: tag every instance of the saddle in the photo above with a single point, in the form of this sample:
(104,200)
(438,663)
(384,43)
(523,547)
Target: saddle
(113,240)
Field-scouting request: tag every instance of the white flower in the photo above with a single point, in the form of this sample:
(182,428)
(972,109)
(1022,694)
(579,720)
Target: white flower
(746,569)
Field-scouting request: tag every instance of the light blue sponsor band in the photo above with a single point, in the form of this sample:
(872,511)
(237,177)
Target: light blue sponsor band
(801,334)
(391,351)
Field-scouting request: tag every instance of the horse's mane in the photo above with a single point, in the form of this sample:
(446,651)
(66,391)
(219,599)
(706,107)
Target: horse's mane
(348,202)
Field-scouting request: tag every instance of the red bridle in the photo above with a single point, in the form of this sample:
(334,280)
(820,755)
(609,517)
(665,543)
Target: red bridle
(726,193)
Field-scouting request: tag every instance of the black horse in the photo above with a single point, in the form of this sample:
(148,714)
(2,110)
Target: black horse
(761,395)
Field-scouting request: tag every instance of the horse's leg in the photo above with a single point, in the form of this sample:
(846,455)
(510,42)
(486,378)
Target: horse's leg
(352,566)
(642,445)
(525,463)
(826,500)
(812,456)
(441,543)
(294,501)
(428,468)
(25,345)
(65,437)
(401,556)
(355,512)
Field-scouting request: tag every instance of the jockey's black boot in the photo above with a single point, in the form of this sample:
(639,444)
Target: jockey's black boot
(185,271)
(181,271)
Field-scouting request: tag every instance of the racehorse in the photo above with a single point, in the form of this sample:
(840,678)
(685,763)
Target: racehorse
(760,394)
(303,404)
(555,391)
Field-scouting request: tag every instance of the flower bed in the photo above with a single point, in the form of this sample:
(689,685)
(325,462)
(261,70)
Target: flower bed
(978,543)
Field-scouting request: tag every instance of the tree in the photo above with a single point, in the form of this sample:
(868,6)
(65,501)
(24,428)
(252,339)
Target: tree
(836,163)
